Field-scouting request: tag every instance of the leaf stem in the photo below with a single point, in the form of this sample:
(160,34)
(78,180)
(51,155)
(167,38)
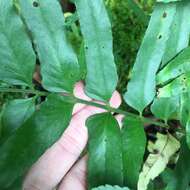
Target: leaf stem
(90,103)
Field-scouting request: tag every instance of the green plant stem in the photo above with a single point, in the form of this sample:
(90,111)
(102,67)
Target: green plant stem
(90,103)
(26,91)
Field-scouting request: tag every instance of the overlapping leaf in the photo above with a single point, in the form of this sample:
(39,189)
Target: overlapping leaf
(176,87)
(17,59)
(33,138)
(101,79)
(59,64)
(175,68)
(133,135)
(165,108)
(160,153)
(105,151)
(112,159)
(181,177)
(15,113)
(180,31)
(141,89)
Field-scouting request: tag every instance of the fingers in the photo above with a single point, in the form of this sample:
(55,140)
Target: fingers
(76,178)
(79,93)
(119,119)
(57,160)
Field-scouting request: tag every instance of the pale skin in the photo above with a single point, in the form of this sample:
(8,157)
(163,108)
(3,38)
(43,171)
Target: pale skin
(61,166)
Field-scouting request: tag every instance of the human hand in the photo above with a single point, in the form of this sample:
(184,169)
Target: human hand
(60,164)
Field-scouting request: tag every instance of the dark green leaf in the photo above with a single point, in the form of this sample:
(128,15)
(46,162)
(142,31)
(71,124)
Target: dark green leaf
(30,141)
(181,178)
(17,59)
(184,112)
(101,78)
(59,64)
(164,108)
(105,151)
(180,30)
(15,113)
(108,187)
(141,89)
(175,68)
(134,143)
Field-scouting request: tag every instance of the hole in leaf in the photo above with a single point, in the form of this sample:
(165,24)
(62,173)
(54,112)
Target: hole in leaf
(86,47)
(160,36)
(35,4)
(164,15)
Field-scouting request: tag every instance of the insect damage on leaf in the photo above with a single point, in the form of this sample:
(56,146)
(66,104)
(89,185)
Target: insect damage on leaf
(160,154)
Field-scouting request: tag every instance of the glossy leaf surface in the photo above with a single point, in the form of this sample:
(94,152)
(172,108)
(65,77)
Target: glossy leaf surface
(141,88)
(176,87)
(175,68)
(164,108)
(180,31)
(31,140)
(105,151)
(133,145)
(15,113)
(101,79)
(17,58)
(59,64)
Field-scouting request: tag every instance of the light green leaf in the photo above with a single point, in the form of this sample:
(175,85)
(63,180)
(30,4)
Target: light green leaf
(101,79)
(164,108)
(31,140)
(160,153)
(167,1)
(133,135)
(17,59)
(108,187)
(15,113)
(176,87)
(175,68)
(141,89)
(59,64)
(181,178)
(105,151)
(180,30)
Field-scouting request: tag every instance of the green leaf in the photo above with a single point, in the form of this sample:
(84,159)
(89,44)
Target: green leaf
(181,177)
(184,114)
(108,187)
(15,113)
(31,140)
(167,1)
(176,87)
(59,64)
(184,111)
(138,11)
(133,136)
(141,88)
(101,79)
(165,108)
(175,68)
(160,153)
(105,151)
(17,58)
(180,30)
